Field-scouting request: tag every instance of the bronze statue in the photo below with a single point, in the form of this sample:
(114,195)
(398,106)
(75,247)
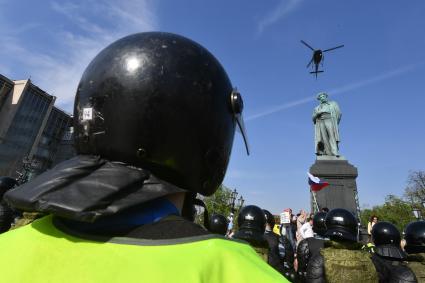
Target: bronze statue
(326,117)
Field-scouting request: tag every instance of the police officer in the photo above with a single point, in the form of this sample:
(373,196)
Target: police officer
(6,212)
(218,224)
(341,259)
(414,235)
(389,255)
(252,223)
(272,239)
(309,247)
(154,120)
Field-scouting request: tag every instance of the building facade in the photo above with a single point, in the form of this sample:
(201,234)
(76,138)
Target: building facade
(31,127)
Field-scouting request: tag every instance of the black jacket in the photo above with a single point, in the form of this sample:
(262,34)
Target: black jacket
(6,217)
(393,271)
(306,249)
(273,257)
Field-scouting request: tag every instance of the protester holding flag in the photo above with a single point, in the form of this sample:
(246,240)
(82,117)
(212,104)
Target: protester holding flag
(316,185)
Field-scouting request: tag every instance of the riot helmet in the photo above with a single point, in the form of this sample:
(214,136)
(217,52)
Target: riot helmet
(218,224)
(386,238)
(161,102)
(6,183)
(414,235)
(319,226)
(341,225)
(251,222)
(385,233)
(269,218)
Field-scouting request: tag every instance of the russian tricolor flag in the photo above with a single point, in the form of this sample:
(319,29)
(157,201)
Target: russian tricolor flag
(315,183)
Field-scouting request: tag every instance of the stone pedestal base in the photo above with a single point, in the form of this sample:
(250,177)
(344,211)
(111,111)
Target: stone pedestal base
(342,189)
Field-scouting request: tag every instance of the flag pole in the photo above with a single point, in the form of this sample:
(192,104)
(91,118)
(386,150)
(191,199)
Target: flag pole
(315,200)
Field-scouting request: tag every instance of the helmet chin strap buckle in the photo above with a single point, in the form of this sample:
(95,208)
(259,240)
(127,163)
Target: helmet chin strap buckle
(237,108)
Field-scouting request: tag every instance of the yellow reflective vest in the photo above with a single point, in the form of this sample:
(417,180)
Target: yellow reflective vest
(42,253)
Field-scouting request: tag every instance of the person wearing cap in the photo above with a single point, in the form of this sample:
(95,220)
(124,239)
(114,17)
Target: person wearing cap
(230,232)
(388,254)
(154,120)
(341,259)
(414,235)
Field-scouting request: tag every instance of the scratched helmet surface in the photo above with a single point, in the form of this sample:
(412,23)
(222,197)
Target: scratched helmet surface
(161,102)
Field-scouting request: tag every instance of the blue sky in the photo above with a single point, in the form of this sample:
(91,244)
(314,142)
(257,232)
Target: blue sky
(378,78)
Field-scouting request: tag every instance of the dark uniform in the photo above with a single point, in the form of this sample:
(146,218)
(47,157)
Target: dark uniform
(341,260)
(309,247)
(252,223)
(415,247)
(272,239)
(154,119)
(7,214)
(388,255)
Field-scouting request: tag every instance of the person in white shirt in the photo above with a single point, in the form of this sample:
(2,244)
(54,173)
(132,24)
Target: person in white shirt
(306,230)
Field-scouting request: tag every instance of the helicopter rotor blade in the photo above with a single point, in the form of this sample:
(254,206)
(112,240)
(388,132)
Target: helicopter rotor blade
(311,61)
(340,46)
(305,43)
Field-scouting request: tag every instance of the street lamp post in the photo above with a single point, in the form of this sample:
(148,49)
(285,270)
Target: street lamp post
(417,213)
(240,202)
(233,196)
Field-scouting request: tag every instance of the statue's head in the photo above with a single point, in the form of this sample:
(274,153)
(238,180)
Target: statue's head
(322,97)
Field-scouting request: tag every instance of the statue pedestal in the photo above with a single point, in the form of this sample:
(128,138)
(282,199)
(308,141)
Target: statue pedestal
(342,189)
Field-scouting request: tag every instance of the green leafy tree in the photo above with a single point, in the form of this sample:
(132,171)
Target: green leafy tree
(394,210)
(218,203)
(415,190)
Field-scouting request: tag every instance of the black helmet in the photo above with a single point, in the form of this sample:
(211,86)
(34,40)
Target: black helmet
(161,102)
(415,237)
(319,226)
(385,233)
(387,240)
(341,225)
(269,218)
(218,224)
(6,183)
(251,222)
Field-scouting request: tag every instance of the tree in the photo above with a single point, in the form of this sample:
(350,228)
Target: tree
(219,201)
(415,190)
(394,210)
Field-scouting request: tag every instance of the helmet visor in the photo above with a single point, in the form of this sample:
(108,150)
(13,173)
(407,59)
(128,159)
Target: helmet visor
(237,108)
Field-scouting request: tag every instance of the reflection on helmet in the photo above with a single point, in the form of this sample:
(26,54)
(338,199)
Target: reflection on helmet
(252,217)
(218,224)
(341,225)
(161,102)
(269,218)
(252,224)
(415,237)
(385,233)
(319,226)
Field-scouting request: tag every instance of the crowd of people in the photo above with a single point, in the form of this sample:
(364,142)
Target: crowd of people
(154,120)
(326,247)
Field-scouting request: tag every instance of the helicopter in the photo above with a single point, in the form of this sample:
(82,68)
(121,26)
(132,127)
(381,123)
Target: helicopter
(317,57)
